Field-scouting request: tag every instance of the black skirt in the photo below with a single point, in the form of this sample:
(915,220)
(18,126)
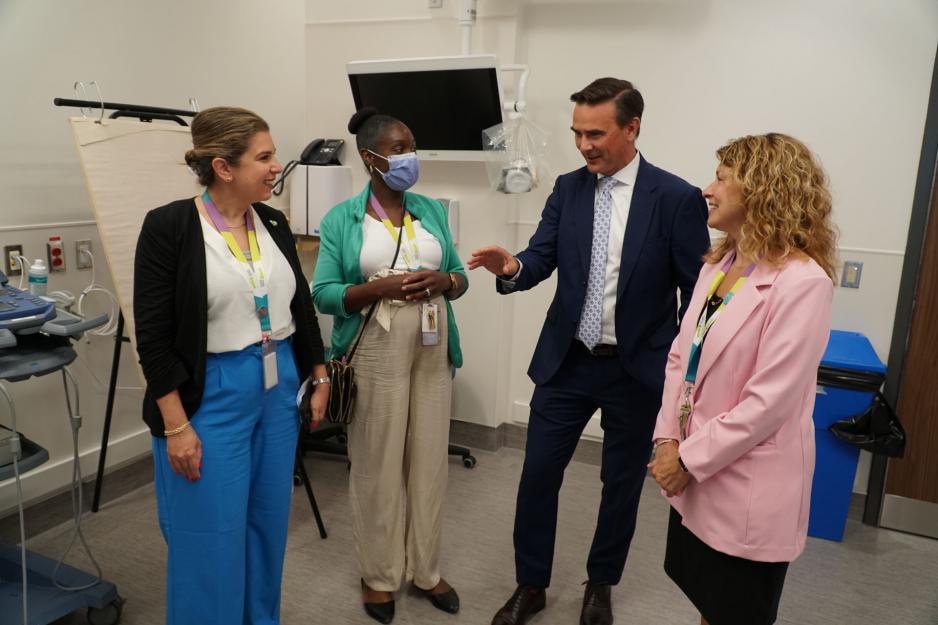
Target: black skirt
(727,590)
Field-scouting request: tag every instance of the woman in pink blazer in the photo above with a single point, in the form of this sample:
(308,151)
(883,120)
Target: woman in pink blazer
(734,442)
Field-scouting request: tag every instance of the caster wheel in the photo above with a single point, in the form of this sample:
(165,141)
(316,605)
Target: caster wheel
(297,480)
(342,438)
(469,462)
(108,615)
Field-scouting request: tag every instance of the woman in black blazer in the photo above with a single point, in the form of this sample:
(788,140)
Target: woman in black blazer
(226,331)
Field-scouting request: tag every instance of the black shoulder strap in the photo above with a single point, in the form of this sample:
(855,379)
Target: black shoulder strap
(361,331)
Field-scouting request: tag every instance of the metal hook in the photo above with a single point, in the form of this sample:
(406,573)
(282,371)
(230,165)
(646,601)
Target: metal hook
(94,83)
(194,105)
(81,96)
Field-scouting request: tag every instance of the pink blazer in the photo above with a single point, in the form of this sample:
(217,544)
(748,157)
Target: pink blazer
(750,443)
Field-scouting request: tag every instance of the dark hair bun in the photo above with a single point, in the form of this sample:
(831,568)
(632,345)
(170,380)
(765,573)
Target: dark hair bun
(360,117)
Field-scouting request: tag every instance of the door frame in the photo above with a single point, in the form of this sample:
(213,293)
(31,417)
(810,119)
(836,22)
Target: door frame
(926,182)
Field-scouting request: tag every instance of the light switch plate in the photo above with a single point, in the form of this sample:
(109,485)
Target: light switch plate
(851,275)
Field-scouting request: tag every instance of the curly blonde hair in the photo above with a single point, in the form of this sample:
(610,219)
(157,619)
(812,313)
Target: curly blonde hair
(787,200)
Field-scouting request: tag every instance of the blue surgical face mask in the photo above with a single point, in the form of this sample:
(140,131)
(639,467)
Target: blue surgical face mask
(403,170)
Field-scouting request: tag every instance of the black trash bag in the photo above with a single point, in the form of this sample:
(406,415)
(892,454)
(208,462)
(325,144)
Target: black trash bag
(877,430)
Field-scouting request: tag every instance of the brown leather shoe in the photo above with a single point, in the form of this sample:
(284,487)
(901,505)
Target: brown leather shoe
(524,602)
(597,604)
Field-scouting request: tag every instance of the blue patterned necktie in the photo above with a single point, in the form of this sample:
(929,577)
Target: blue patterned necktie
(591,318)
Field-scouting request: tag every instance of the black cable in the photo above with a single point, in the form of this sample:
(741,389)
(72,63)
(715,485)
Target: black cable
(286,172)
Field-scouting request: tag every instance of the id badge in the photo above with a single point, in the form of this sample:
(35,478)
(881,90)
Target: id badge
(270,366)
(684,412)
(430,324)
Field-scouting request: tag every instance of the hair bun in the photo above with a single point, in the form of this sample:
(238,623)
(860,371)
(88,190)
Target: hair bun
(360,117)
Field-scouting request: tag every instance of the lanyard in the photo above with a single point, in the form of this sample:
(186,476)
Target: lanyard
(706,322)
(253,266)
(412,255)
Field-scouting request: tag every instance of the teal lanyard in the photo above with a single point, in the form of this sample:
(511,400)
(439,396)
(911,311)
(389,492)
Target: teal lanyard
(707,321)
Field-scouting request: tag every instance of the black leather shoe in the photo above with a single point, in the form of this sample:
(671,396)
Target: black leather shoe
(524,602)
(381,612)
(597,605)
(447,601)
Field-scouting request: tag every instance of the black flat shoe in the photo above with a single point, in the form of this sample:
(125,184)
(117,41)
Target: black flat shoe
(446,601)
(381,612)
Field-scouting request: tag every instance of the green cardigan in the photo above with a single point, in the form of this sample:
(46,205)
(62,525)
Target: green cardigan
(338,267)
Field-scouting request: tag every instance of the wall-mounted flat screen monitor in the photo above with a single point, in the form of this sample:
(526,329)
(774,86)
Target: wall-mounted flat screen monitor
(446,101)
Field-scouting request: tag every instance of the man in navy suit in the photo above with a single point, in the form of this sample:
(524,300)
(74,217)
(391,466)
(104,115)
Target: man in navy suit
(624,237)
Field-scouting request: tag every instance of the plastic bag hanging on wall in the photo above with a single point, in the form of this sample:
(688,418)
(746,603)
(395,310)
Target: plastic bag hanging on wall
(514,155)
(876,430)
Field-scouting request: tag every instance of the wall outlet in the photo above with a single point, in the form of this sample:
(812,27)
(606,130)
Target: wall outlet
(11,266)
(435,4)
(83,260)
(56,253)
(851,275)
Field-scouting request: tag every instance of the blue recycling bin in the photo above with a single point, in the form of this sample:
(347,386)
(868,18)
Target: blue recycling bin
(848,378)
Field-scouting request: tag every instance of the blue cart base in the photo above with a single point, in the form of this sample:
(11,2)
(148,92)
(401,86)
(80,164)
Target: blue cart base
(47,602)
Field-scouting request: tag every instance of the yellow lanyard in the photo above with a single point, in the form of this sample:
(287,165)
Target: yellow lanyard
(411,255)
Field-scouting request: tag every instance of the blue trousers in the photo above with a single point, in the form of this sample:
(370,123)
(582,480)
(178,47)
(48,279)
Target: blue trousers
(560,410)
(227,532)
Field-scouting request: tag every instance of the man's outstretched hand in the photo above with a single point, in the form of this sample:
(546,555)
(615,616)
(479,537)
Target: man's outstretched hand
(496,259)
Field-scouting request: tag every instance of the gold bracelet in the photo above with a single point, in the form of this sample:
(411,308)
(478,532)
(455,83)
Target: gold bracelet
(453,285)
(182,428)
(666,440)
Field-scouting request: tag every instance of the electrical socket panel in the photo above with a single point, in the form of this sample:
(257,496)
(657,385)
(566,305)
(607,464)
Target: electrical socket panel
(851,275)
(11,266)
(56,253)
(83,260)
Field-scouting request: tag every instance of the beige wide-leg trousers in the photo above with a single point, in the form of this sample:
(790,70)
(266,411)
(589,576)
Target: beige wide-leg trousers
(397,443)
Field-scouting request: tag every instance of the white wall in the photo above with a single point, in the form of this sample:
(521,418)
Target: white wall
(374,30)
(247,54)
(849,77)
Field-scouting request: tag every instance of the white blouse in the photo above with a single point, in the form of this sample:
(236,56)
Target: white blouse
(378,248)
(232,318)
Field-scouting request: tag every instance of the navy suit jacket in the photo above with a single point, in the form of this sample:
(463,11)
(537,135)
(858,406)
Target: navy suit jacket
(665,239)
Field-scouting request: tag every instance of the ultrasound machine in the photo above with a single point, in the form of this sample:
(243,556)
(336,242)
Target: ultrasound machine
(36,339)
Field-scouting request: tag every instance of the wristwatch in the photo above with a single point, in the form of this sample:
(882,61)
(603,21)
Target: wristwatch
(318,381)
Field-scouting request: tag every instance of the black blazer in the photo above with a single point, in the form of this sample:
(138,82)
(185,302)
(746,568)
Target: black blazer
(665,239)
(171,305)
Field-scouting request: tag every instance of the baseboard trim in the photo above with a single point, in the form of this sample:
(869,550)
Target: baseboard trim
(136,472)
(57,509)
(514,436)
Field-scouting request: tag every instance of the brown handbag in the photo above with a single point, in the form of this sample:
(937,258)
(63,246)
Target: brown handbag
(342,388)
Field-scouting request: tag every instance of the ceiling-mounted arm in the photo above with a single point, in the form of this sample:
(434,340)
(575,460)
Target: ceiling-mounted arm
(467,19)
(517,106)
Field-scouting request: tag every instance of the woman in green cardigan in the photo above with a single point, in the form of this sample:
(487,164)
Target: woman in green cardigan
(386,258)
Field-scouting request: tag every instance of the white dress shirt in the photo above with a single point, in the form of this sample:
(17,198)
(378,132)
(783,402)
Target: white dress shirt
(621,202)
(232,317)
